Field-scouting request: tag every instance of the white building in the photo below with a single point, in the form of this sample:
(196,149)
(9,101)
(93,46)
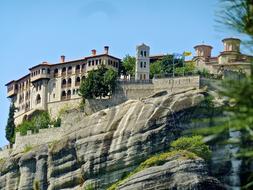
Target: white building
(142,62)
(51,86)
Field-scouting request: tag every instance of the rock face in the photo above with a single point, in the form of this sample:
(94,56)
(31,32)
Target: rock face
(176,173)
(102,147)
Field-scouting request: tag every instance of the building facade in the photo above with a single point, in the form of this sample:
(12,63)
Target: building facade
(230,59)
(47,85)
(142,62)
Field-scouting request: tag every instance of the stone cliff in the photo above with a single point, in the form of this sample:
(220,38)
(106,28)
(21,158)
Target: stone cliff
(101,148)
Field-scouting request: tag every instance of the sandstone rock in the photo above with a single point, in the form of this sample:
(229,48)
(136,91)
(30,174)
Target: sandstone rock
(102,147)
(177,173)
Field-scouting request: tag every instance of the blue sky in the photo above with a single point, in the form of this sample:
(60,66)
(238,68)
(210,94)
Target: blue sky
(33,31)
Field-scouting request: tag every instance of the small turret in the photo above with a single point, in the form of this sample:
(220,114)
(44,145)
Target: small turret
(231,44)
(203,51)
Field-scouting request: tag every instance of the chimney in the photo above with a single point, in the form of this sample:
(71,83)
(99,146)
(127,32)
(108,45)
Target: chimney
(93,52)
(62,58)
(106,49)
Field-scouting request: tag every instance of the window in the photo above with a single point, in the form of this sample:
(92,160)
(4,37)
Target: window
(69,82)
(48,71)
(43,71)
(96,62)
(38,99)
(68,94)
(77,69)
(89,63)
(69,70)
(78,80)
(64,82)
(140,76)
(63,95)
(63,71)
(56,73)
(141,65)
(144,76)
(53,95)
(74,92)
(144,64)
(145,54)
(142,53)
(92,62)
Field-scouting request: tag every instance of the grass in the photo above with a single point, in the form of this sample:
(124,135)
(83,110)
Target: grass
(27,148)
(156,160)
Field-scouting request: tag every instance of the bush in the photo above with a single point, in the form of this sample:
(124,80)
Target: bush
(39,119)
(193,144)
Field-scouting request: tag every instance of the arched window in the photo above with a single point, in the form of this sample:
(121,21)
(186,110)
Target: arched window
(56,73)
(69,70)
(78,80)
(63,95)
(77,69)
(63,71)
(63,83)
(69,82)
(144,64)
(83,68)
(69,94)
(141,65)
(38,99)
(74,92)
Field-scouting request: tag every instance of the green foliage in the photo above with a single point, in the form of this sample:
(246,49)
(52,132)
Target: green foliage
(156,69)
(128,65)
(99,83)
(238,16)
(192,144)
(36,185)
(40,119)
(56,122)
(89,187)
(10,127)
(185,147)
(27,148)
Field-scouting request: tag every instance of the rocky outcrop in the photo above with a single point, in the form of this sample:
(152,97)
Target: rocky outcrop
(177,173)
(102,147)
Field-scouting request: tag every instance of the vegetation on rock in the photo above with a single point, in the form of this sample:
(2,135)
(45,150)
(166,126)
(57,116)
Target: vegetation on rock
(184,147)
(40,119)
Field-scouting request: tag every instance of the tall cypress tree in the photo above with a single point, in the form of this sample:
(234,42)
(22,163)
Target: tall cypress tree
(10,127)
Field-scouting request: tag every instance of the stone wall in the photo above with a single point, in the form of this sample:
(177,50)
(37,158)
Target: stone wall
(5,152)
(42,137)
(55,108)
(139,90)
(123,93)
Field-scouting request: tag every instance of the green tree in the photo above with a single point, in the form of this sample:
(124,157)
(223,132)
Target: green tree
(10,127)
(238,16)
(99,83)
(156,69)
(128,65)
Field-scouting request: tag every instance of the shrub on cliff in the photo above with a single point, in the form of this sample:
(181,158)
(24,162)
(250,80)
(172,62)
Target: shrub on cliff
(40,119)
(193,144)
(184,147)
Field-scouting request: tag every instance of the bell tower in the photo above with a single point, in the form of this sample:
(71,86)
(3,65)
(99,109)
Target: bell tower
(142,62)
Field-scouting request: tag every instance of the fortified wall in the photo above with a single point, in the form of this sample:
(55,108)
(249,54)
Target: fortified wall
(124,91)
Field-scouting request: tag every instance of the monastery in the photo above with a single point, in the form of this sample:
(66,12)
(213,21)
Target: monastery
(49,85)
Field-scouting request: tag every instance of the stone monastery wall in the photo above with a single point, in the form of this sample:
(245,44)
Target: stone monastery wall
(123,93)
